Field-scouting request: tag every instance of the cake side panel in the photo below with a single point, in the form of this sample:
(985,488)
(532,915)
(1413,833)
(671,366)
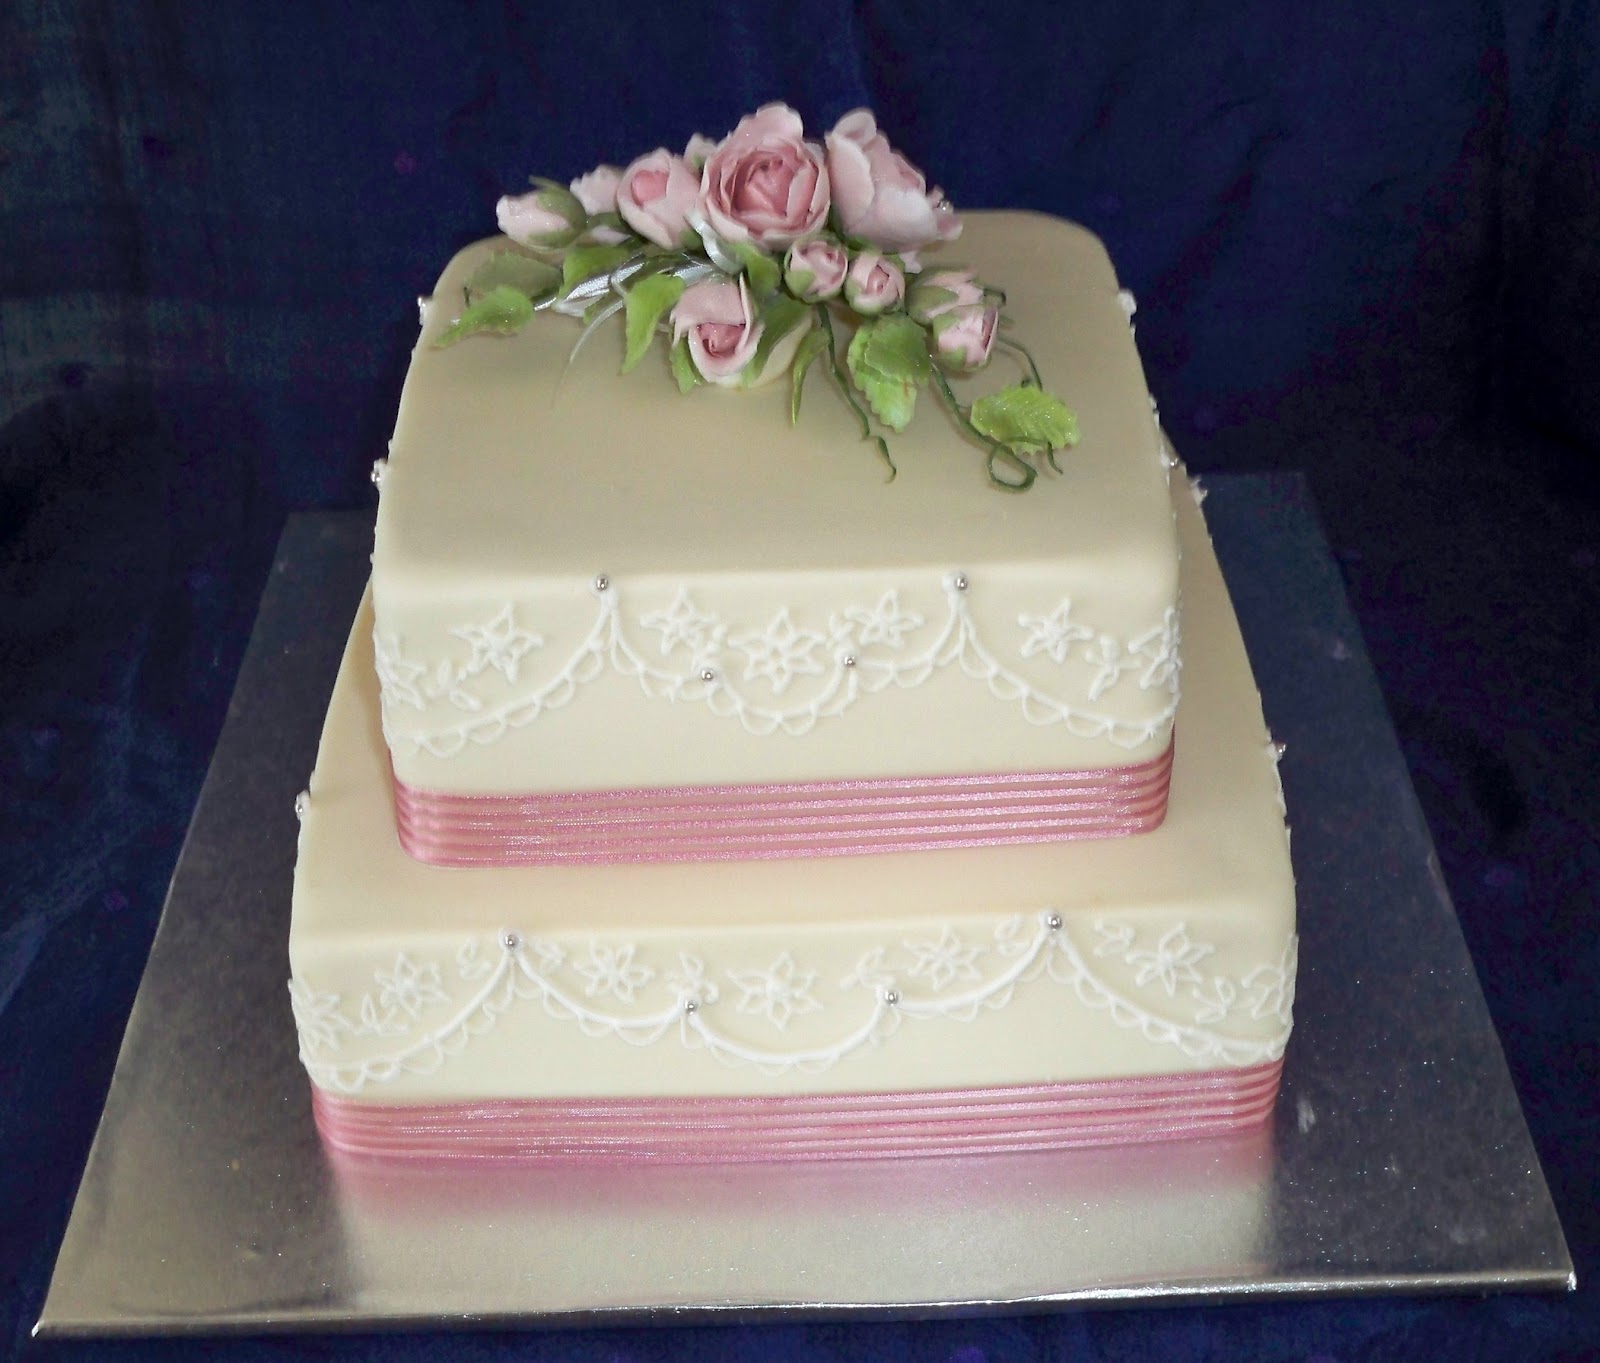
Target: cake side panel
(772,609)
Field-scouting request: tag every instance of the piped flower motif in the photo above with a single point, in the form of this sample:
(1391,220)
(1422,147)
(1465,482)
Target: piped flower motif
(500,644)
(886,623)
(780,653)
(317,1016)
(1115,939)
(1217,1003)
(943,962)
(409,987)
(611,970)
(1110,662)
(776,993)
(470,963)
(1273,985)
(397,677)
(1172,962)
(689,983)
(684,625)
(870,972)
(1012,937)
(1158,649)
(1053,634)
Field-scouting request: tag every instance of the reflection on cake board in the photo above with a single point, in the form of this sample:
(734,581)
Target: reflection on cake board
(1398,1159)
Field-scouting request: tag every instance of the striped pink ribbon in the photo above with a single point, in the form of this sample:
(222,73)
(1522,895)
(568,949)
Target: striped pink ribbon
(798,819)
(1063,1116)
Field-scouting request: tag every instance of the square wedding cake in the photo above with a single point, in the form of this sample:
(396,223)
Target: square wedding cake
(693,789)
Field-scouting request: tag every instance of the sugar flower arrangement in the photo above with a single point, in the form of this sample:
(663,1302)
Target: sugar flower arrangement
(746,252)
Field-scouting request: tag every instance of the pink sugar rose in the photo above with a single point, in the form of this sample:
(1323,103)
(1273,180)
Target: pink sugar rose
(963,336)
(549,217)
(873,284)
(880,196)
(655,196)
(814,270)
(721,328)
(764,183)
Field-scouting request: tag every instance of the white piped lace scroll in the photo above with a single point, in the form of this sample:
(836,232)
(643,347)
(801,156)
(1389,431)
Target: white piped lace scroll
(418,1014)
(782,675)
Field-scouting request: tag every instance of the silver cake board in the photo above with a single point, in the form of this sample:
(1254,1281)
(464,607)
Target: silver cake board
(1398,1160)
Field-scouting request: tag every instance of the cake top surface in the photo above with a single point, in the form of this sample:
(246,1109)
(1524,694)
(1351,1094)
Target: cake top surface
(511,462)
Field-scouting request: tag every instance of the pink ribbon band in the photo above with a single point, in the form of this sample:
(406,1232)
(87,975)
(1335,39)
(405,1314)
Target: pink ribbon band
(799,819)
(859,1126)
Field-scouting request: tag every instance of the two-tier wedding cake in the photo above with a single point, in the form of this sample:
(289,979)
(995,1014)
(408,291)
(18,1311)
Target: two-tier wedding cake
(704,781)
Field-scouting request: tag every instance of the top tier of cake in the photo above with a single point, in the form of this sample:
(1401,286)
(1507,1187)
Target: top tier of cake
(584,581)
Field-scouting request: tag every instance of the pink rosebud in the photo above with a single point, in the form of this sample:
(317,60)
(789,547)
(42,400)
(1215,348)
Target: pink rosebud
(873,284)
(721,328)
(655,196)
(940,291)
(764,183)
(597,191)
(879,195)
(547,217)
(963,336)
(697,151)
(814,270)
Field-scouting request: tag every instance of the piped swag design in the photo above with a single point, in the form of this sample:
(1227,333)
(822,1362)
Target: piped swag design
(608,990)
(733,671)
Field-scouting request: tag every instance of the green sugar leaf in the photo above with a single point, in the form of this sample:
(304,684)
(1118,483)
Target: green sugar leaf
(812,345)
(893,403)
(503,309)
(585,262)
(780,315)
(855,355)
(1025,416)
(526,274)
(683,369)
(647,302)
(897,350)
(763,272)
(889,361)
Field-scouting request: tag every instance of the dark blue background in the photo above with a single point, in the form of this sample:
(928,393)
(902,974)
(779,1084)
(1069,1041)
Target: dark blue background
(1365,237)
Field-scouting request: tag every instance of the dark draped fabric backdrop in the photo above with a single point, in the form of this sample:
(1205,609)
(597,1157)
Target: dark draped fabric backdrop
(1365,238)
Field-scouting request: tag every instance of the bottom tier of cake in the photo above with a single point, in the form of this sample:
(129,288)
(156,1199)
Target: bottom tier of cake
(993,997)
